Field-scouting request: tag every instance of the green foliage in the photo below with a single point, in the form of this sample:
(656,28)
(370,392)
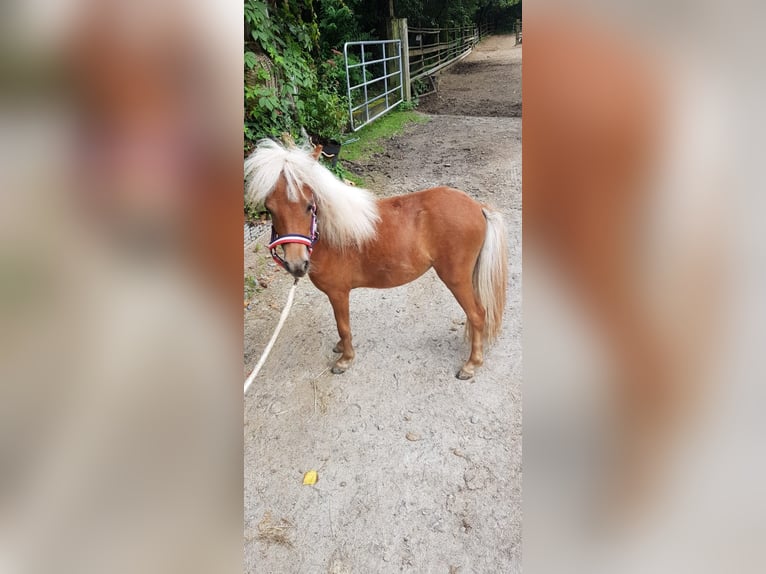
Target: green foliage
(332,77)
(422,86)
(337,25)
(254,213)
(251,287)
(323,113)
(434,13)
(289,95)
(332,73)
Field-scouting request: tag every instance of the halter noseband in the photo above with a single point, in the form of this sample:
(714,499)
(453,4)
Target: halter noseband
(277,240)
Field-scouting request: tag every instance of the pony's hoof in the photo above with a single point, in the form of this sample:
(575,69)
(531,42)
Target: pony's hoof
(336,370)
(464,375)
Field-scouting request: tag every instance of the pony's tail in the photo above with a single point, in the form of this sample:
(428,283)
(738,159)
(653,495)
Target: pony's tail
(490,276)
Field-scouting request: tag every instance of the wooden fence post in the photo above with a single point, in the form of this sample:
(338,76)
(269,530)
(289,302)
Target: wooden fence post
(399,32)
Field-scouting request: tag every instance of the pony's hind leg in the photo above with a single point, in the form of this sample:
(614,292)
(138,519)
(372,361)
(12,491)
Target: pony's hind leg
(339,302)
(463,291)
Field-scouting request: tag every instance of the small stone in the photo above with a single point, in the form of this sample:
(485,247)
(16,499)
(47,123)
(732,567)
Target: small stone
(380,427)
(411,436)
(474,419)
(477,477)
(342,484)
(276,407)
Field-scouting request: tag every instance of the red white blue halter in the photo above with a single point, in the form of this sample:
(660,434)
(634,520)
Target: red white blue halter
(277,240)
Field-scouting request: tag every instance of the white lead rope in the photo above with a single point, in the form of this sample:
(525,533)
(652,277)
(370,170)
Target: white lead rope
(267,350)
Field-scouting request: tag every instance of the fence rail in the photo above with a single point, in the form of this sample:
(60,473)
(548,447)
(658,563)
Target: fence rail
(373,79)
(380,73)
(485,29)
(431,49)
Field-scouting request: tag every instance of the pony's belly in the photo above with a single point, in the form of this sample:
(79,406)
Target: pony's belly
(391,275)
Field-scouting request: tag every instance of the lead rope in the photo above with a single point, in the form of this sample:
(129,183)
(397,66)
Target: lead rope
(267,350)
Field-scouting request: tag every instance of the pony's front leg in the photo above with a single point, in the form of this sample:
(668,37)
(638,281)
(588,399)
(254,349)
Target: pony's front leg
(339,301)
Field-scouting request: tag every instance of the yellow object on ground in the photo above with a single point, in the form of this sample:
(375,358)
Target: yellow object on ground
(310,477)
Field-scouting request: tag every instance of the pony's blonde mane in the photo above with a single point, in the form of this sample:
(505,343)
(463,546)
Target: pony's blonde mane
(346,215)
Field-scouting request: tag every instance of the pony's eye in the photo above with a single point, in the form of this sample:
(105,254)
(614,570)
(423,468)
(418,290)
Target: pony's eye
(309,208)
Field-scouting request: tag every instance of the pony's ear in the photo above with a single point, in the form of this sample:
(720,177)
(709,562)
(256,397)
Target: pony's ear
(317,151)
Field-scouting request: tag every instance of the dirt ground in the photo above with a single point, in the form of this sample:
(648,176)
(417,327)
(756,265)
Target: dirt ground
(418,471)
(486,83)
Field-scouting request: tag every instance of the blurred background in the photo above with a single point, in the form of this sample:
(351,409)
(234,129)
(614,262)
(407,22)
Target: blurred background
(120,286)
(643,275)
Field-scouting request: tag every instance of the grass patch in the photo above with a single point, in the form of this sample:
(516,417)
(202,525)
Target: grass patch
(251,287)
(353,178)
(372,136)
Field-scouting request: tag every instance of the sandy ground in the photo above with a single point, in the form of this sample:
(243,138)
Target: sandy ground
(418,471)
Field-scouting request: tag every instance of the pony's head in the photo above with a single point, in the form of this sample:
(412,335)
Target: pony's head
(306,202)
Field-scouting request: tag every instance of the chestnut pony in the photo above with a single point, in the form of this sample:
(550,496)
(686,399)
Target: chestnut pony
(344,238)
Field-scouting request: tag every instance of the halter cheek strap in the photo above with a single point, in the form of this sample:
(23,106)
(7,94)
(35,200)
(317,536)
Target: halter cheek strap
(277,240)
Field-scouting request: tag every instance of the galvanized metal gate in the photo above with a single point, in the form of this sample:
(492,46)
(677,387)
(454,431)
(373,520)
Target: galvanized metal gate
(373,79)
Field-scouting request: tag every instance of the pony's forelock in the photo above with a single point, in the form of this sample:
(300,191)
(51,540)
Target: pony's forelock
(347,215)
(268,162)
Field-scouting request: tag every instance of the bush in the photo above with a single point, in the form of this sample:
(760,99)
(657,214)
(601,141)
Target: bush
(287,94)
(323,113)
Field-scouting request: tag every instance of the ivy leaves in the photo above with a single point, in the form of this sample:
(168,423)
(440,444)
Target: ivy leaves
(288,95)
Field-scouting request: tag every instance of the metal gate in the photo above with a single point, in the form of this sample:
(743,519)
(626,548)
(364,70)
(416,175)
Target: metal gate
(373,79)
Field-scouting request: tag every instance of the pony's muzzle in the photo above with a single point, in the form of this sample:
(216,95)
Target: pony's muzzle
(296,259)
(298,270)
